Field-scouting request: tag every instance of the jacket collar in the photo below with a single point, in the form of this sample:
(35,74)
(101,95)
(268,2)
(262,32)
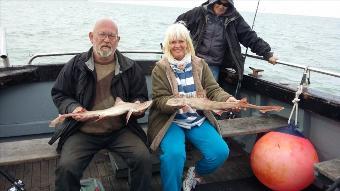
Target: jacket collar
(196,72)
(122,62)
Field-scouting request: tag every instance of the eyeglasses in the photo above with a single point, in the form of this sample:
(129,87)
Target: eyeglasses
(103,35)
(219,2)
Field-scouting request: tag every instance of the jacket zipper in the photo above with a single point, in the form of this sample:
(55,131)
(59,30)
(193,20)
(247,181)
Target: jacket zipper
(237,64)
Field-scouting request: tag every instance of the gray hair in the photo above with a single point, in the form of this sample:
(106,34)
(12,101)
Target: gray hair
(106,19)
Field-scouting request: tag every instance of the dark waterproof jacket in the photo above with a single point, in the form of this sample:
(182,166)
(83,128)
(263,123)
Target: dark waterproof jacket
(76,86)
(236,31)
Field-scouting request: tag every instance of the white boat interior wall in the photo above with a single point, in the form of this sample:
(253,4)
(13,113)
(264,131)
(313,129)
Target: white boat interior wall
(27,107)
(323,132)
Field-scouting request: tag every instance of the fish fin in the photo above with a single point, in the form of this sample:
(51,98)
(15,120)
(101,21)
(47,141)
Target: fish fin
(279,108)
(118,101)
(218,112)
(128,115)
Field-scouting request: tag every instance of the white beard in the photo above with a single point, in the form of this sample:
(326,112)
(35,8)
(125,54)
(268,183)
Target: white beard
(104,53)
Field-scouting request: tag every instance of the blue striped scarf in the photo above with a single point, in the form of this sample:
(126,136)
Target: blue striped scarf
(186,88)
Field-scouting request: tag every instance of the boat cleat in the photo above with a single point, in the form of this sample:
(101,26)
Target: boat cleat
(256,72)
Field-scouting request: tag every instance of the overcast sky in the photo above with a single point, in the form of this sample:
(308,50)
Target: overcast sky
(326,8)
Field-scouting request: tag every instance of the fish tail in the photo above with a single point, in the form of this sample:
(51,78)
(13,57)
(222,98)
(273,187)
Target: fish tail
(57,121)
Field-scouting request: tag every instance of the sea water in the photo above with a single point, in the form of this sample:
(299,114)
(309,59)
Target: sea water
(34,27)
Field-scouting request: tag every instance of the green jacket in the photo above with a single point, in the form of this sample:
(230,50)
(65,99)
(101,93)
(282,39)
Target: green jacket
(164,87)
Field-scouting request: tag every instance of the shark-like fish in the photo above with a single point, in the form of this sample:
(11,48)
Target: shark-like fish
(120,107)
(218,107)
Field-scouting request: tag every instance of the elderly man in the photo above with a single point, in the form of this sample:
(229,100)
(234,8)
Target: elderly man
(92,81)
(217,30)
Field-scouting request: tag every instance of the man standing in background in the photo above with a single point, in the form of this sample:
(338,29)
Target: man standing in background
(218,29)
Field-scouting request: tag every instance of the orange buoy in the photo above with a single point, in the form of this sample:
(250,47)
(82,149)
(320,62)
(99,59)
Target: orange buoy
(283,162)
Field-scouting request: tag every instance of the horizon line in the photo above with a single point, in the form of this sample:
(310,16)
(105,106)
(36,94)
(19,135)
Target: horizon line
(299,8)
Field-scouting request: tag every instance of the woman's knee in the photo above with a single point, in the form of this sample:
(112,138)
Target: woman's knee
(224,152)
(219,154)
(177,155)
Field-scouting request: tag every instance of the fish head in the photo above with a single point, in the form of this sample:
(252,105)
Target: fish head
(118,101)
(147,104)
(138,108)
(57,121)
(143,106)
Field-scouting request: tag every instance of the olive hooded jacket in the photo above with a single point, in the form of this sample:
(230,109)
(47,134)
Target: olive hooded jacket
(164,87)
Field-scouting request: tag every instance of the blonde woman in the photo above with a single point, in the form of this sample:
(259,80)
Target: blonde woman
(181,73)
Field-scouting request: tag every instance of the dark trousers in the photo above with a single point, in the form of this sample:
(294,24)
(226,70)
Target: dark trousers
(79,149)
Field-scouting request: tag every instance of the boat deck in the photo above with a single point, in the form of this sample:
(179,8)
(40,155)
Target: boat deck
(235,174)
(39,175)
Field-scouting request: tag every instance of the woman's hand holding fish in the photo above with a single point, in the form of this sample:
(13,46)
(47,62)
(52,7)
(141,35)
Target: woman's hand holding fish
(233,99)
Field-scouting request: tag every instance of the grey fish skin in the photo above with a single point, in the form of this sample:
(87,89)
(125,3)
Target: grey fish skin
(118,109)
(218,107)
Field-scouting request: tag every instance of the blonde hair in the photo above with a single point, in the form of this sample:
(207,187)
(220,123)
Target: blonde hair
(177,31)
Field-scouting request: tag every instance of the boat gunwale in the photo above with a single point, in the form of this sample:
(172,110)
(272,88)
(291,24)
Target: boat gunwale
(310,101)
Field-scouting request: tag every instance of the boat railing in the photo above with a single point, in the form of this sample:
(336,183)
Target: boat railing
(3,51)
(307,68)
(304,67)
(39,55)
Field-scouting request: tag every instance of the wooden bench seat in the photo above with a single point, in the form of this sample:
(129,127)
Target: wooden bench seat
(330,168)
(16,152)
(328,173)
(251,125)
(230,128)
(38,149)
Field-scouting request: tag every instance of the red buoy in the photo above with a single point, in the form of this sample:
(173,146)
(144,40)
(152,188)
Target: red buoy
(284,162)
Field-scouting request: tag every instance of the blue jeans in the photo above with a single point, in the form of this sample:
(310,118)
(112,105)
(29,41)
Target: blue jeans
(205,138)
(215,71)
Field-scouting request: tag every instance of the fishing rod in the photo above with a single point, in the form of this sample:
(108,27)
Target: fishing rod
(252,26)
(17,184)
(240,69)
(238,87)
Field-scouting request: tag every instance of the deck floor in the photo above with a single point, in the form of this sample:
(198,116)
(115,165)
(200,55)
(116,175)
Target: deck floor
(235,174)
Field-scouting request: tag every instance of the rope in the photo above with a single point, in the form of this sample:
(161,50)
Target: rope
(304,81)
(296,104)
